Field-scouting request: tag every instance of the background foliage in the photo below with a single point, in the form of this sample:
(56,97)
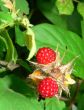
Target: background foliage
(26,26)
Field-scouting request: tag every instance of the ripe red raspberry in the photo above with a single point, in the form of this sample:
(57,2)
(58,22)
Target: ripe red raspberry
(47,88)
(45,55)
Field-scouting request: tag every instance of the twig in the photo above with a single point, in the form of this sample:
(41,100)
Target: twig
(76,1)
(8,65)
(64,99)
(75,94)
(31,13)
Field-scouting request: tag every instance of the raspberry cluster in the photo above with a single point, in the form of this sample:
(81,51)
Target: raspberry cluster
(47,87)
(45,55)
(51,76)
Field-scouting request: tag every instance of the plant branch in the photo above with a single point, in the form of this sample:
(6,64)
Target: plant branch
(76,1)
(8,65)
(72,101)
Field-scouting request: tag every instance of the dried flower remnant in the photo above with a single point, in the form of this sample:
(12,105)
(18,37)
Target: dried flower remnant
(9,4)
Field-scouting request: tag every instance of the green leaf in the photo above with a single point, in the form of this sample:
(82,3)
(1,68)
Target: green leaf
(24,64)
(54,104)
(20,40)
(3,8)
(20,86)
(2,44)
(14,100)
(23,6)
(65,6)
(30,43)
(11,52)
(80,102)
(52,36)
(80,8)
(6,18)
(2,47)
(74,22)
(82,28)
(50,11)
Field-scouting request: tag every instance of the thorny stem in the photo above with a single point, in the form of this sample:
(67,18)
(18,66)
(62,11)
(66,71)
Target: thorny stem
(76,1)
(30,15)
(72,101)
(63,99)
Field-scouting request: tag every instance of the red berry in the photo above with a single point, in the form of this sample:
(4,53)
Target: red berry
(48,87)
(45,55)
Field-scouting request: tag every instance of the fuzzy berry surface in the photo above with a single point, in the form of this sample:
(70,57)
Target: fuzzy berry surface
(47,88)
(45,55)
